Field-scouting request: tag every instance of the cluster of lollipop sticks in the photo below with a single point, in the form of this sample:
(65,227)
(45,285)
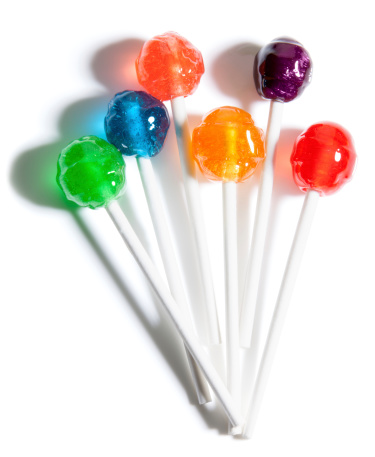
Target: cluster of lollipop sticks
(228,147)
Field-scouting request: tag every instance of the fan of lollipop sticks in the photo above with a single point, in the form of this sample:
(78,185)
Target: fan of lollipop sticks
(228,147)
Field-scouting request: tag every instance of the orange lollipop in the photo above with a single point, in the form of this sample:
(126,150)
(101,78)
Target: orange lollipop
(228,147)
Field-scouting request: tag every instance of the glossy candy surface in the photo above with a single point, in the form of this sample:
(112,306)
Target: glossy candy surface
(169,66)
(282,70)
(227,145)
(323,158)
(136,123)
(91,172)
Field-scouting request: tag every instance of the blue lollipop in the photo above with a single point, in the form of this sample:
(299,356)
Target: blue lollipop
(136,123)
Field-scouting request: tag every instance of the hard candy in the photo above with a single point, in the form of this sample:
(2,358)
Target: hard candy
(169,66)
(136,123)
(282,70)
(323,158)
(227,145)
(91,172)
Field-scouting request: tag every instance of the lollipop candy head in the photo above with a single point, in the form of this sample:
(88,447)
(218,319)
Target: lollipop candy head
(168,66)
(91,172)
(227,145)
(136,123)
(323,158)
(282,70)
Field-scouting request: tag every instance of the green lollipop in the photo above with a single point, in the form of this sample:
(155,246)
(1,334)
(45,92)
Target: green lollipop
(91,172)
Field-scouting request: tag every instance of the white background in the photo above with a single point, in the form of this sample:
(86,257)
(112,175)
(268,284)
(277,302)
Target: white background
(88,364)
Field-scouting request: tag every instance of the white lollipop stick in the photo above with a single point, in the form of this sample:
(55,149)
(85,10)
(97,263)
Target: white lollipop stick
(181,324)
(231,293)
(279,315)
(254,266)
(157,213)
(196,214)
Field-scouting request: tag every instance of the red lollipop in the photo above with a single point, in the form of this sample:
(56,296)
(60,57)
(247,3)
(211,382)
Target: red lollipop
(169,66)
(323,160)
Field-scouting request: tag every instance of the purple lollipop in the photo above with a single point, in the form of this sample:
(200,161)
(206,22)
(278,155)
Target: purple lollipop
(282,70)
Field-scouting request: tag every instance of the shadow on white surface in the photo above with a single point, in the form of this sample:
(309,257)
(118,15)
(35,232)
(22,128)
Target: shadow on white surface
(232,71)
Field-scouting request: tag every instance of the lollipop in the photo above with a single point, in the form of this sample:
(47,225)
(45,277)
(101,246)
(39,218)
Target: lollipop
(228,147)
(91,172)
(323,160)
(137,124)
(87,176)
(282,70)
(170,68)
